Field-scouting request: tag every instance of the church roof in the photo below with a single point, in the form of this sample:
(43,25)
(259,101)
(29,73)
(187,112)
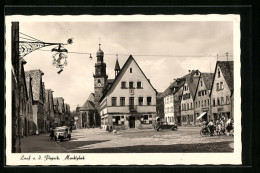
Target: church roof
(117,67)
(88,106)
(130,58)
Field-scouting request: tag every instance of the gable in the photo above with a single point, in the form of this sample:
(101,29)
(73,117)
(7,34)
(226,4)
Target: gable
(124,74)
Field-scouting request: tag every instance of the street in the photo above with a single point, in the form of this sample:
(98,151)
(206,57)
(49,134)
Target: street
(185,139)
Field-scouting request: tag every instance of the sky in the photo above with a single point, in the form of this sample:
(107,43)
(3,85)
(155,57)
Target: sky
(164,51)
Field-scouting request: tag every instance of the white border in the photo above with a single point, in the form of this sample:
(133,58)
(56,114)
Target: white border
(234,158)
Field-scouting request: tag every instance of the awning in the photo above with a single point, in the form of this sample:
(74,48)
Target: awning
(201,115)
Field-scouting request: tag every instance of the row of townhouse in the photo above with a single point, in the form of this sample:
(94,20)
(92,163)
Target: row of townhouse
(198,96)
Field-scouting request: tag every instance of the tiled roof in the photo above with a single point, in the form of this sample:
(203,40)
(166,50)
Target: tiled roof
(227,71)
(177,85)
(207,78)
(192,84)
(88,106)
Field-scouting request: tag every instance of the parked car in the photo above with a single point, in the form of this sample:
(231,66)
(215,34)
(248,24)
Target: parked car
(62,133)
(161,126)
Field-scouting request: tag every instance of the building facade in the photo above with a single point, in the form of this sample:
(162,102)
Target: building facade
(222,91)
(202,100)
(130,101)
(172,102)
(188,95)
(38,100)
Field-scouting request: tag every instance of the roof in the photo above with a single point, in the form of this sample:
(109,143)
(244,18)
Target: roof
(110,81)
(207,78)
(227,70)
(130,58)
(88,106)
(192,84)
(177,85)
(117,67)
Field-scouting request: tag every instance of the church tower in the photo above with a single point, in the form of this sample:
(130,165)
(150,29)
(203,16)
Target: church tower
(100,76)
(117,67)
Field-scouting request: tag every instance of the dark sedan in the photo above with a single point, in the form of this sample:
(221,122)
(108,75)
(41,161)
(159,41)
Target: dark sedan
(162,126)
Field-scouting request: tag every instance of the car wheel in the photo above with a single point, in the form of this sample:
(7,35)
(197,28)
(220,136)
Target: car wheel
(160,129)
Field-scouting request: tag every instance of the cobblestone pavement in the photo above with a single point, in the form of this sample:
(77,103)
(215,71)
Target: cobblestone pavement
(185,139)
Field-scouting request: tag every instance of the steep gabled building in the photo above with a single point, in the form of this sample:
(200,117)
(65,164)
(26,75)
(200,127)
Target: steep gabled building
(172,102)
(222,91)
(202,99)
(188,95)
(130,101)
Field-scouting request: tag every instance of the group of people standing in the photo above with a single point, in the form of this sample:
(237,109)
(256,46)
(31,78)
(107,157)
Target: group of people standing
(220,126)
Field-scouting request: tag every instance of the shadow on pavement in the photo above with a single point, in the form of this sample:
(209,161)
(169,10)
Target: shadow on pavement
(76,144)
(176,148)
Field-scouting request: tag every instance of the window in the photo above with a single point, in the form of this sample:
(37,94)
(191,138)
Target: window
(196,104)
(123,84)
(171,99)
(180,98)
(200,83)
(218,103)
(131,70)
(113,101)
(208,102)
(149,100)
(205,92)
(145,119)
(227,99)
(122,101)
(199,103)
(190,105)
(218,73)
(99,81)
(221,85)
(117,120)
(205,103)
(139,85)
(217,86)
(131,84)
(222,100)
(214,103)
(140,101)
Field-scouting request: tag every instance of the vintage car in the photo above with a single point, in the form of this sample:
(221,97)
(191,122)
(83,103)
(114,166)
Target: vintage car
(161,126)
(62,133)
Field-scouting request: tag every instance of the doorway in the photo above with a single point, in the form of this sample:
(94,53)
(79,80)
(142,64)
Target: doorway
(132,122)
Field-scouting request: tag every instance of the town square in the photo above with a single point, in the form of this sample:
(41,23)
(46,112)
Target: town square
(117,87)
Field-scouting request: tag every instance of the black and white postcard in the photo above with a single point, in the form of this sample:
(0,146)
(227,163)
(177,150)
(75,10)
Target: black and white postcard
(123,90)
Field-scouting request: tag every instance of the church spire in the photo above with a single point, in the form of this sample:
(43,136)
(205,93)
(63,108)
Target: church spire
(117,67)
